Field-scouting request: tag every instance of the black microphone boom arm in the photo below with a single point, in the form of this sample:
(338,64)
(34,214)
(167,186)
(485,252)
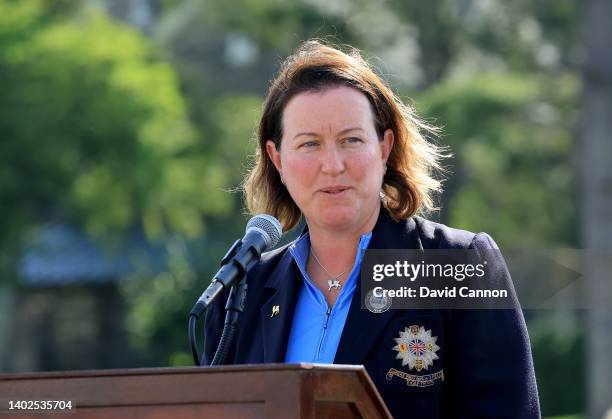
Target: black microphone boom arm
(238,260)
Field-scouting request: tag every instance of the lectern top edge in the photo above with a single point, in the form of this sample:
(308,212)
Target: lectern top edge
(181,370)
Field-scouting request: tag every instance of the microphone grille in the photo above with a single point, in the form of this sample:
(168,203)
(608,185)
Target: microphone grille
(269,225)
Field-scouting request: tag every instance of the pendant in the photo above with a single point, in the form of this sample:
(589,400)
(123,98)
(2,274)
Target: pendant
(333,283)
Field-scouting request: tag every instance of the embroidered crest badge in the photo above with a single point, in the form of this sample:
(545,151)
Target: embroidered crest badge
(416,348)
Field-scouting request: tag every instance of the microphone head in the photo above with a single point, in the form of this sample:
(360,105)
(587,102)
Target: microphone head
(269,227)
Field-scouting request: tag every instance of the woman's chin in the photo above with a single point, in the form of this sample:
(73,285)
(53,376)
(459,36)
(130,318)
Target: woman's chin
(336,220)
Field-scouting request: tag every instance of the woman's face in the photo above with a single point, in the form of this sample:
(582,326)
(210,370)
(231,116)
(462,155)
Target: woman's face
(331,159)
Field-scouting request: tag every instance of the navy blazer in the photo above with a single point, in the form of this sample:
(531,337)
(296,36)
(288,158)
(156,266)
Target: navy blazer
(484,366)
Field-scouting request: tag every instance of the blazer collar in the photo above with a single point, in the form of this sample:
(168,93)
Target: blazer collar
(362,325)
(277,311)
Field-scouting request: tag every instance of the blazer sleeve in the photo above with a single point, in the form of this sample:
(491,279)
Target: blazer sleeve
(493,367)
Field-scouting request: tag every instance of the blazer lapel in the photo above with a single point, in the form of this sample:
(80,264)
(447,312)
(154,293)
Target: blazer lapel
(363,328)
(277,312)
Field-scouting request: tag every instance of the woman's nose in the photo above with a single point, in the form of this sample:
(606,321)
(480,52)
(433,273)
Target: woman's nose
(333,161)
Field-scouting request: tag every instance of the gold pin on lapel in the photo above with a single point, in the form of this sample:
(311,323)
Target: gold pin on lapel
(275,311)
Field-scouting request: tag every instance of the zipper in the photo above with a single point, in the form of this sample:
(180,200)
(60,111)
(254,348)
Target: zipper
(323,332)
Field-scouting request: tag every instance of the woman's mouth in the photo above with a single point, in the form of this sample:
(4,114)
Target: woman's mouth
(334,190)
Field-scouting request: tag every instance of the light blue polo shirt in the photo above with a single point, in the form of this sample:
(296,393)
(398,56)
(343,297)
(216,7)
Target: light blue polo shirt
(316,329)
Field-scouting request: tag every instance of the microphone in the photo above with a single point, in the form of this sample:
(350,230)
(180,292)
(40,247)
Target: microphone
(263,232)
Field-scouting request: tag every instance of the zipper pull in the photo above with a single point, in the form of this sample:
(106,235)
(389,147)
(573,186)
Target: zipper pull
(326,317)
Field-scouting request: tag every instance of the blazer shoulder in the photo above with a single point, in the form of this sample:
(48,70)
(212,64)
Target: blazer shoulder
(439,236)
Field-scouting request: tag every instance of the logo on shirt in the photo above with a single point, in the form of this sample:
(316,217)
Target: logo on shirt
(416,348)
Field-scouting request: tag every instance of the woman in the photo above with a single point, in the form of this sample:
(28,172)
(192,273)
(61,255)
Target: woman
(339,149)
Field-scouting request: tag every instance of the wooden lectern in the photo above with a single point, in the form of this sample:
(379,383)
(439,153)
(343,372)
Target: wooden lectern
(239,391)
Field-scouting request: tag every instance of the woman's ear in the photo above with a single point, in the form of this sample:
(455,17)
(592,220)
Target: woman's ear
(386,145)
(274,155)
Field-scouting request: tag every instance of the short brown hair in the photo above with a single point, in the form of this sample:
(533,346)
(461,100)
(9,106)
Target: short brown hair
(408,183)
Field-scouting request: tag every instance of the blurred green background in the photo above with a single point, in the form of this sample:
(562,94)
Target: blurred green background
(125,127)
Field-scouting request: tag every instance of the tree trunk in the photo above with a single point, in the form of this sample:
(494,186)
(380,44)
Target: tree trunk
(595,135)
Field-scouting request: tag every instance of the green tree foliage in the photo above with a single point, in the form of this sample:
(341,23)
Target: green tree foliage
(94,129)
(559,348)
(159,301)
(512,173)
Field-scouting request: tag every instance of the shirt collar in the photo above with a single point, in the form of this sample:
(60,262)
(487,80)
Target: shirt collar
(300,250)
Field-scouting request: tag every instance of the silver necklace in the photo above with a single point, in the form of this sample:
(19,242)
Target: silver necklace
(333,282)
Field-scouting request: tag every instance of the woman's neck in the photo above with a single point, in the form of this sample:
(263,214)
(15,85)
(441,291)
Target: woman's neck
(336,249)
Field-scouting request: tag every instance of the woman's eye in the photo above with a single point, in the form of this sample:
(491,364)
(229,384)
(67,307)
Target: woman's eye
(353,140)
(309,144)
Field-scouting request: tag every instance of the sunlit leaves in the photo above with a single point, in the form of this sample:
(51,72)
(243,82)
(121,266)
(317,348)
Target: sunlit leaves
(514,174)
(94,127)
